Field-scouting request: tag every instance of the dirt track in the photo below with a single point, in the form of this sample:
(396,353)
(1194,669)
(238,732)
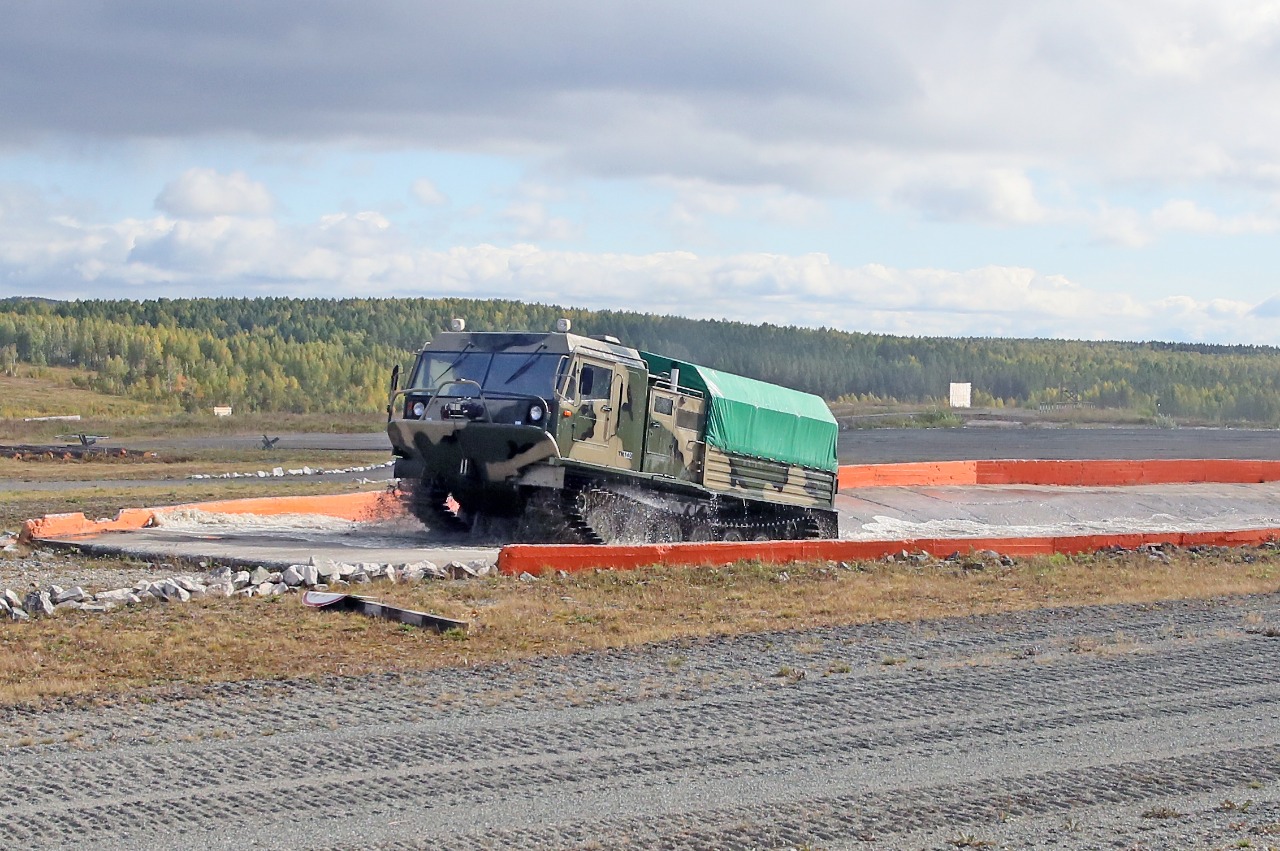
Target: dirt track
(1104,727)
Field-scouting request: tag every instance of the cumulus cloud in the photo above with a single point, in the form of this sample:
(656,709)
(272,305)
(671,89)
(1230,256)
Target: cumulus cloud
(1184,215)
(201,193)
(530,220)
(963,194)
(737,93)
(1137,122)
(426,192)
(365,254)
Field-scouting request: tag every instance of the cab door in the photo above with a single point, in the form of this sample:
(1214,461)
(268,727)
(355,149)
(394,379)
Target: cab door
(594,404)
(673,445)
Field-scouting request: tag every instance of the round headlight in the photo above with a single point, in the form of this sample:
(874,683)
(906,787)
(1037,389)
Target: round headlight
(418,409)
(535,414)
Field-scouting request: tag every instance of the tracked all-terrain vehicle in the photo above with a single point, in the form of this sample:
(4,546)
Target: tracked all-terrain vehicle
(561,437)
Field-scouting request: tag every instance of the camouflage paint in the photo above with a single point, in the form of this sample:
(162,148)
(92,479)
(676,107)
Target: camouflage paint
(608,431)
(470,453)
(770,481)
(479,444)
(673,441)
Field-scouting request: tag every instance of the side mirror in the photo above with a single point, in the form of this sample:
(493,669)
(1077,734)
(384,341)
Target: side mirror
(395,385)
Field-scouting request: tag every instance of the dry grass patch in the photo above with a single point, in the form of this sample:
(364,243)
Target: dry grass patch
(52,391)
(230,639)
(134,420)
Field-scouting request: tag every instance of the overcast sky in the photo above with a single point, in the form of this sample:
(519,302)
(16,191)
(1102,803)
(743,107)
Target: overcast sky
(1071,169)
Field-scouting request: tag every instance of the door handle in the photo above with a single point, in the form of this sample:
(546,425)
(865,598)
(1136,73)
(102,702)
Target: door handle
(606,408)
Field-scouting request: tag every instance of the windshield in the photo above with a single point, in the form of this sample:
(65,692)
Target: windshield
(519,373)
(533,375)
(436,368)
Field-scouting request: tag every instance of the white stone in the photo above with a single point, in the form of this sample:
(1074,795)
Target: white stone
(186,583)
(262,589)
(54,591)
(291,576)
(277,471)
(71,595)
(458,570)
(346,571)
(119,595)
(240,579)
(391,574)
(19,615)
(259,575)
(169,590)
(38,603)
(219,574)
(14,601)
(310,575)
(262,474)
(279,588)
(326,570)
(4,607)
(220,589)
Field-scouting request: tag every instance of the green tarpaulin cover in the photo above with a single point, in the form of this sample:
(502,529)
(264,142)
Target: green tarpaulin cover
(755,418)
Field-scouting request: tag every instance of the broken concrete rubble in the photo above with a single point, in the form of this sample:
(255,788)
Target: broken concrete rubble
(225,581)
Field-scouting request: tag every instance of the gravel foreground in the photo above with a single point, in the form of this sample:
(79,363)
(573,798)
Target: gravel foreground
(1127,727)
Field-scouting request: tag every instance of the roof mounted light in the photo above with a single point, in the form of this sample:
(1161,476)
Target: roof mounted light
(458,325)
(563,325)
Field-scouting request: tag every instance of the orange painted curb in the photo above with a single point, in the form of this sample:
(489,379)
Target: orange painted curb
(537,558)
(61,525)
(366,505)
(908,475)
(1062,473)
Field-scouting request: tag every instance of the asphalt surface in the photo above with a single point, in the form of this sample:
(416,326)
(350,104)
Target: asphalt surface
(865,513)
(876,446)
(859,446)
(1134,727)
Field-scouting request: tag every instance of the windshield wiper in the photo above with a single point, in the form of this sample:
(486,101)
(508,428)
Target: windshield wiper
(524,367)
(448,369)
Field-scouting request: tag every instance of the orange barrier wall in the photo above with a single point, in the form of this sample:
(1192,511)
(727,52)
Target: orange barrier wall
(1064,473)
(537,558)
(366,505)
(908,475)
(59,525)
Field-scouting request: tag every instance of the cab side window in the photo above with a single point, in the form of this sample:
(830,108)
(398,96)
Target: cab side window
(594,382)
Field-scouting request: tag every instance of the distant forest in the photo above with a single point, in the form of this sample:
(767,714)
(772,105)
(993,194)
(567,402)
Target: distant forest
(314,355)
